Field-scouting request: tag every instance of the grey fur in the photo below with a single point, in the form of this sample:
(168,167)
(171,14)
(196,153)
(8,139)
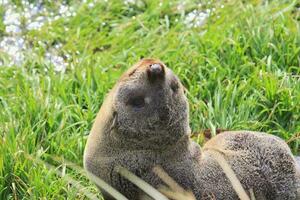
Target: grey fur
(140,137)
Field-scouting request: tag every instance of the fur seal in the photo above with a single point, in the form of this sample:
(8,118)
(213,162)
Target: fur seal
(144,122)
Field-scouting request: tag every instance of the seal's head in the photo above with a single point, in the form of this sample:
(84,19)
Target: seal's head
(150,105)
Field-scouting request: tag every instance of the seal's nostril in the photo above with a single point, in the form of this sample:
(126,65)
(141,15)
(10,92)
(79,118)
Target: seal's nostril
(155,71)
(156,68)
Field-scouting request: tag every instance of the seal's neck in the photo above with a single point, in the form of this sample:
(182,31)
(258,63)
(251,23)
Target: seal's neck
(113,141)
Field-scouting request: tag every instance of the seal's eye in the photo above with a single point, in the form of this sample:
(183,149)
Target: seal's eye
(137,102)
(174,86)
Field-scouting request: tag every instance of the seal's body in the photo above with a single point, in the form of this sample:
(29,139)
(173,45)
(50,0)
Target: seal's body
(143,122)
(263,163)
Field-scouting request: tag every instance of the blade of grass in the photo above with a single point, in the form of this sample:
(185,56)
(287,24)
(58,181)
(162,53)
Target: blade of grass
(147,188)
(124,172)
(174,190)
(236,184)
(68,178)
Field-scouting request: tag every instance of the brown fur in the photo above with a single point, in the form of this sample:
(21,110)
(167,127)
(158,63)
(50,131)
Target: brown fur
(262,162)
(157,133)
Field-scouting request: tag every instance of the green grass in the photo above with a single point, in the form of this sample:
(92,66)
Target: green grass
(242,71)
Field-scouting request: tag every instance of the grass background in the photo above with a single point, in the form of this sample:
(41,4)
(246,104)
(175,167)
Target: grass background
(242,71)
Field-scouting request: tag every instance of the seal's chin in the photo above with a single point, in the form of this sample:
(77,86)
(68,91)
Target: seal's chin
(164,141)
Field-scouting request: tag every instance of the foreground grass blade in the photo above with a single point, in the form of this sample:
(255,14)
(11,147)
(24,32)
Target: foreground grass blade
(236,184)
(68,163)
(99,182)
(107,188)
(70,180)
(173,191)
(124,172)
(147,188)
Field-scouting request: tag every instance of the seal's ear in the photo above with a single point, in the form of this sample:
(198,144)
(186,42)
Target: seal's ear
(185,91)
(114,120)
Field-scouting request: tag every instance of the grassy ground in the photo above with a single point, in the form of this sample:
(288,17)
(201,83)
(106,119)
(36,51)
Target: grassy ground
(242,71)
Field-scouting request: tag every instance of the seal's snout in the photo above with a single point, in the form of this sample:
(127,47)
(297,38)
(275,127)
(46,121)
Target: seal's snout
(156,68)
(155,71)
